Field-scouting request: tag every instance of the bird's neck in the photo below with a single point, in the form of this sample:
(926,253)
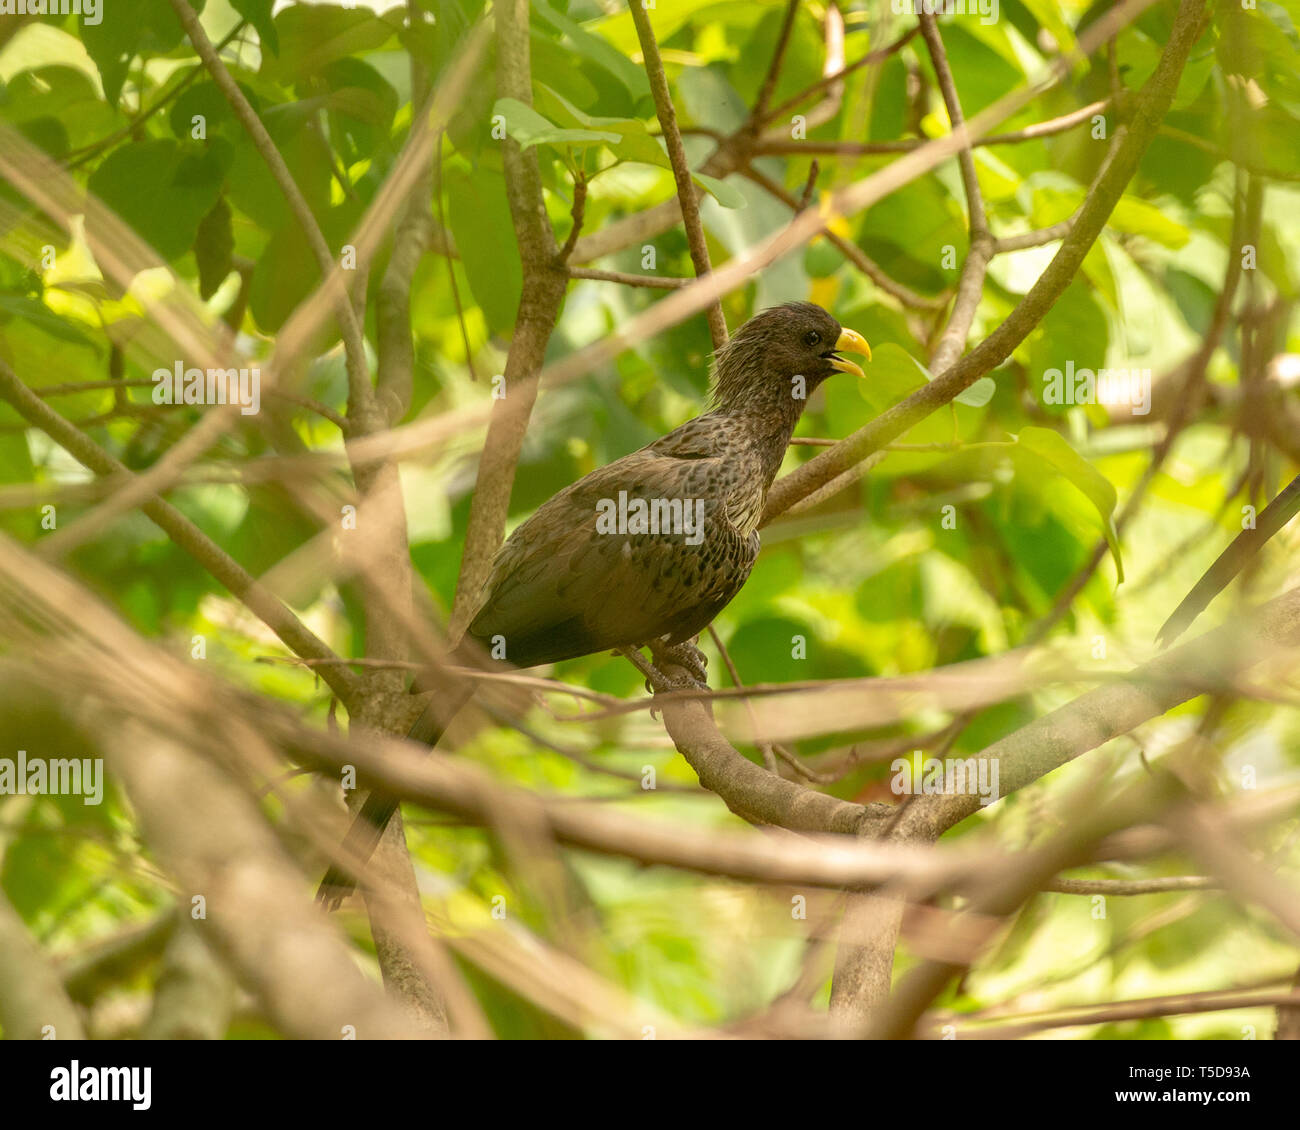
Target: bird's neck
(768,432)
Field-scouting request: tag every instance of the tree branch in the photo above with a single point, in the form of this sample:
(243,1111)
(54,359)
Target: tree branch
(1152,104)
(297,637)
(686,191)
(539,307)
(361,393)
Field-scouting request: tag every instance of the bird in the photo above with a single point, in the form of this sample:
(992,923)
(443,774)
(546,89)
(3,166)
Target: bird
(1231,561)
(648,549)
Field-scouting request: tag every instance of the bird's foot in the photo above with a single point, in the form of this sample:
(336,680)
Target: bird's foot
(657,682)
(686,656)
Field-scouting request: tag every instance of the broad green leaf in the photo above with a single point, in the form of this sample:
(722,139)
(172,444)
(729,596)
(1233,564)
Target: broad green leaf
(1047,451)
(978,394)
(150,28)
(258,13)
(893,373)
(284,275)
(529,128)
(635,142)
(480,220)
(162,189)
(312,37)
(362,105)
(597,50)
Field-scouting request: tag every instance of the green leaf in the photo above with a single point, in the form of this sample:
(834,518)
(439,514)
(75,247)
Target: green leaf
(979,394)
(894,373)
(362,105)
(479,216)
(35,313)
(635,142)
(721,191)
(258,13)
(597,50)
(312,37)
(529,128)
(63,93)
(162,189)
(149,28)
(214,246)
(1052,447)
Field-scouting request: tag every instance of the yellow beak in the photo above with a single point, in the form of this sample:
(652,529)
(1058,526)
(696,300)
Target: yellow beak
(852,342)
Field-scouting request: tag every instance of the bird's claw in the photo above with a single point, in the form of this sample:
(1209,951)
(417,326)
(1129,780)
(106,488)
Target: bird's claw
(687,656)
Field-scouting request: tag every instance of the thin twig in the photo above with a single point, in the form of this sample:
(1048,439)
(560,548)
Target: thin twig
(657,282)
(686,195)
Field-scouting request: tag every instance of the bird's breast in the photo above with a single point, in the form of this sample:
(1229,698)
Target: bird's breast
(743,491)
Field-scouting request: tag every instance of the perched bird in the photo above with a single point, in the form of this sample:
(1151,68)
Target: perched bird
(650,548)
(1231,562)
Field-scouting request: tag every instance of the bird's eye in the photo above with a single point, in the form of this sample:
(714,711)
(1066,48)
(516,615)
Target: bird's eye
(812,337)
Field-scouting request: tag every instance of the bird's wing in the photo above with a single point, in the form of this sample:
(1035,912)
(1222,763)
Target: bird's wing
(559,588)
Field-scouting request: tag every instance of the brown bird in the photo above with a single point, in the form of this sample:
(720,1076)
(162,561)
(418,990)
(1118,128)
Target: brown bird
(647,550)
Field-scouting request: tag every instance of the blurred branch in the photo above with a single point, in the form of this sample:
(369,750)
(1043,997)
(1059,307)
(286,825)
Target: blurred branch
(658,282)
(411,238)
(361,398)
(217,844)
(71,388)
(1106,712)
(117,957)
(32,997)
(297,637)
(195,995)
(1046,128)
(1179,1004)
(539,308)
(970,284)
(686,193)
(1157,886)
(1130,143)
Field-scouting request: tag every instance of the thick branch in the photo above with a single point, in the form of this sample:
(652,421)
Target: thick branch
(32,998)
(1152,105)
(539,307)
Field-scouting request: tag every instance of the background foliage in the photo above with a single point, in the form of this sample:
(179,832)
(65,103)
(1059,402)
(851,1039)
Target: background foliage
(882,580)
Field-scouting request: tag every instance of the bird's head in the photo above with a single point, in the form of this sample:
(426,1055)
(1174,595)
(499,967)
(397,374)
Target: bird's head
(775,360)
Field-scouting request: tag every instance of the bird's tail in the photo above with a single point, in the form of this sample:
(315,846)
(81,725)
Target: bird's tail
(368,825)
(1231,561)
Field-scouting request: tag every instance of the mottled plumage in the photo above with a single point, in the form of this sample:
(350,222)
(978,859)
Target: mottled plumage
(561,587)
